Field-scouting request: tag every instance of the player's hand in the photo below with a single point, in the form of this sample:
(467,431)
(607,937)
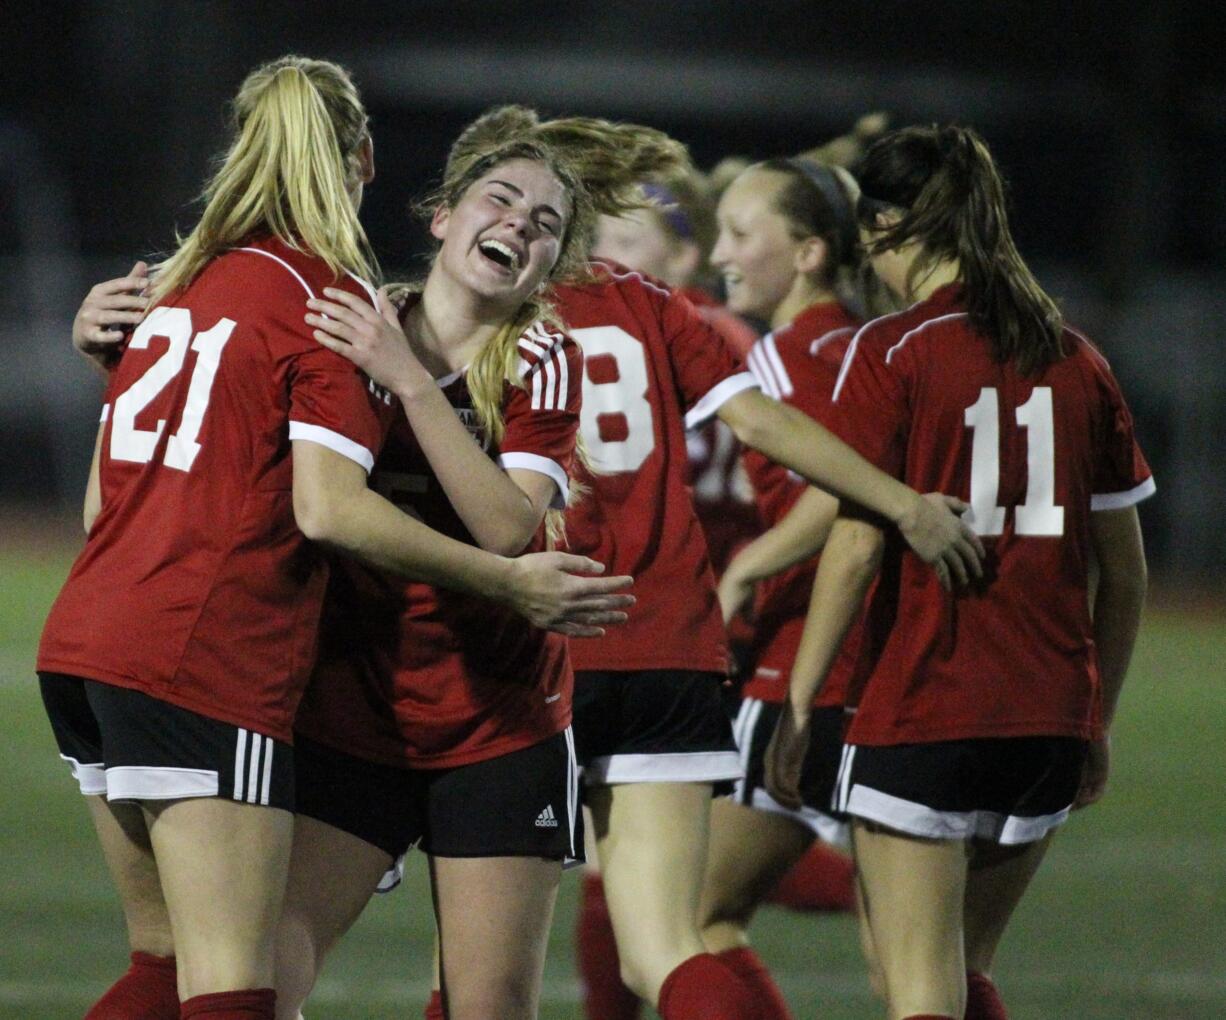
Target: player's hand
(942,539)
(107,309)
(372,338)
(785,756)
(735,593)
(564,593)
(1094,774)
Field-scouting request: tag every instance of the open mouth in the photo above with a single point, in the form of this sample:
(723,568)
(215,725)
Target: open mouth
(501,254)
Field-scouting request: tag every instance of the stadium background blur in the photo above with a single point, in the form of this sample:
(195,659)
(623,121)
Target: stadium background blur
(1110,123)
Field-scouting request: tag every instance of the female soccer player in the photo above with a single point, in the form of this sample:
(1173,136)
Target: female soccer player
(210,475)
(786,245)
(984,719)
(432,717)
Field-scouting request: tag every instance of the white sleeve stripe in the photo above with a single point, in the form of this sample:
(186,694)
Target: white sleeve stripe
(1120,500)
(563,379)
(292,271)
(761,372)
(776,362)
(719,395)
(919,329)
(536,389)
(846,366)
(106,413)
(334,441)
(542,466)
(551,385)
(532,345)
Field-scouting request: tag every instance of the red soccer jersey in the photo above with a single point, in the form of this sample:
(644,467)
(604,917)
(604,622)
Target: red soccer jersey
(920,395)
(196,586)
(652,368)
(797,365)
(413,675)
(723,497)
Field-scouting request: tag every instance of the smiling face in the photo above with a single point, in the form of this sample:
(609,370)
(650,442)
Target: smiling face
(503,237)
(756,252)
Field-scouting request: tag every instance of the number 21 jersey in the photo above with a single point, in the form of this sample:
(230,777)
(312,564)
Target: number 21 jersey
(195,585)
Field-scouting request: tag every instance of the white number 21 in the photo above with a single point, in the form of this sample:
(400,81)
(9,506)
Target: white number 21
(138,445)
(1039,515)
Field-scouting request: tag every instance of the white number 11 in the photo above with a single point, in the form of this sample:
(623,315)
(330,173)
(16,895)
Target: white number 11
(1039,515)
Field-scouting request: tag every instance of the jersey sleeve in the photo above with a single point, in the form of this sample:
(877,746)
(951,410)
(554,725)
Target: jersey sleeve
(708,370)
(331,402)
(869,406)
(541,420)
(1122,477)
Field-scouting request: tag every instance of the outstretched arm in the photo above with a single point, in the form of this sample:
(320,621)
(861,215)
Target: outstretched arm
(800,534)
(928,523)
(334,506)
(849,563)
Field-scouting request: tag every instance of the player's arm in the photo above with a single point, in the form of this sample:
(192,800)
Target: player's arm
(791,438)
(334,506)
(93,487)
(848,565)
(501,510)
(1122,582)
(801,534)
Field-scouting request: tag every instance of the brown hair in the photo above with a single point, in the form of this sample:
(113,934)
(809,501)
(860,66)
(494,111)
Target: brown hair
(951,199)
(298,127)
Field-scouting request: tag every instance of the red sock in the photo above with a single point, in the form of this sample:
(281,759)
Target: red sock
(434,1008)
(983,1001)
(704,988)
(147,991)
(247,1004)
(604,995)
(748,966)
(822,880)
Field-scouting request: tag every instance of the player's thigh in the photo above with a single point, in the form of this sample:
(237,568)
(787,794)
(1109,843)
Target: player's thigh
(749,852)
(996,881)
(124,836)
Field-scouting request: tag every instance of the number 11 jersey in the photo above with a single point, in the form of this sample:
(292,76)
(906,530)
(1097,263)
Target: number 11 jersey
(195,585)
(653,367)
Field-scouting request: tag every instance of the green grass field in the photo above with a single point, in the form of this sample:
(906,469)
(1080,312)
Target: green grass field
(1126,919)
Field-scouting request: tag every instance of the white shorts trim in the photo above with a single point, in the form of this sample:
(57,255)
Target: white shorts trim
(717,396)
(142,782)
(90,776)
(334,441)
(522,461)
(920,820)
(827,829)
(680,767)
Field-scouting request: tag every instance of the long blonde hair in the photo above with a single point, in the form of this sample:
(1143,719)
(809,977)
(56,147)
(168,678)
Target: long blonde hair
(298,129)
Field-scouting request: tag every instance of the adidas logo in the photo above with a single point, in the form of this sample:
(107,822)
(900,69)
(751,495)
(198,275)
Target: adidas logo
(547,819)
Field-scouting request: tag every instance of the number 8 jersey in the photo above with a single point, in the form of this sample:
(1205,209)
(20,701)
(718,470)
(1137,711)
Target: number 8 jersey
(195,585)
(920,396)
(653,368)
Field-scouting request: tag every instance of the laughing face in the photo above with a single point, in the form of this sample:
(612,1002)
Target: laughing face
(503,238)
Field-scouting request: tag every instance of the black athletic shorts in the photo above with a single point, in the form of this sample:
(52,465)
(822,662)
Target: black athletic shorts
(129,746)
(521,804)
(1008,790)
(653,726)
(754,725)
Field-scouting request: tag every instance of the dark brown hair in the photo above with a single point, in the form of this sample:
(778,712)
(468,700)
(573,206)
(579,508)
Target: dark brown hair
(951,199)
(817,202)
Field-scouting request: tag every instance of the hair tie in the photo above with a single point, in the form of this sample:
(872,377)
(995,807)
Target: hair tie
(666,205)
(824,179)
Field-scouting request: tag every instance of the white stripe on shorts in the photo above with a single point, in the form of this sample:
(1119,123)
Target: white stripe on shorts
(742,732)
(842,782)
(144,782)
(253,767)
(827,829)
(572,794)
(90,776)
(921,820)
(679,767)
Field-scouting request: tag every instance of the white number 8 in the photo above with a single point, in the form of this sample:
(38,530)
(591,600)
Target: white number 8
(625,396)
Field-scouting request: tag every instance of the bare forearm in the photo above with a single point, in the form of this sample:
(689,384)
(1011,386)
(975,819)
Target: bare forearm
(1117,619)
(800,535)
(848,566)
(796,441)
(496,512)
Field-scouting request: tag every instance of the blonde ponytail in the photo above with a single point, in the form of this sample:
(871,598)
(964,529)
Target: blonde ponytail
(299,128)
